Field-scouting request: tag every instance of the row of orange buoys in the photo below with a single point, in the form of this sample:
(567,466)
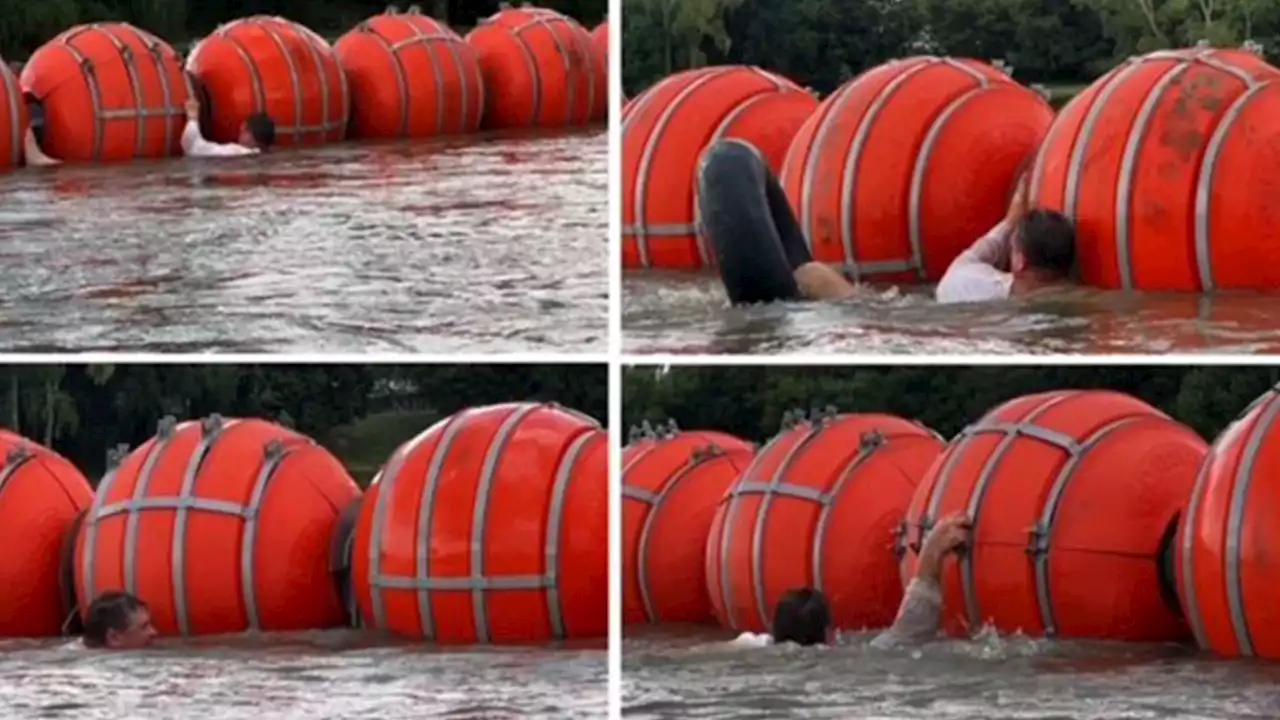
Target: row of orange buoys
(1095,517)
(110,91)
(1169,165)
(489,527)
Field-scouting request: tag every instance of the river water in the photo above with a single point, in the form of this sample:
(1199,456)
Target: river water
(479,244)
(317,676)
(672,313)
(684,675)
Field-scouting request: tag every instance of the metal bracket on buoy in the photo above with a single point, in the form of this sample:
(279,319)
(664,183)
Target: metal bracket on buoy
(165,427)
(648,431)
(116,455)
(704,453)
(1253,46)
(871,440)
(18,454)
(273,450)
(1037,540)
(900,540)
(212,424)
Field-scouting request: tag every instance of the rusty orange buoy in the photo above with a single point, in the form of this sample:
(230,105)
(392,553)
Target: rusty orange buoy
(540,70)
(221,526)
(410,76)
(41,495)
(274,66)
(108,92)
(909,163)
(671,486)
(1168,165)
(489,527)
(13,119)
(665,130)
(817,508)
(1226,564)
(1074,497)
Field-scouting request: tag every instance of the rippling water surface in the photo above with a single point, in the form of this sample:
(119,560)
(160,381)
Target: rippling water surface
(323,676)
(473,245)
(703,676)
(669,313)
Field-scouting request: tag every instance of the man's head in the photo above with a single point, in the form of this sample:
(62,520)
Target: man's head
(802,617)
(1044,245)
(118,621)
(258,131)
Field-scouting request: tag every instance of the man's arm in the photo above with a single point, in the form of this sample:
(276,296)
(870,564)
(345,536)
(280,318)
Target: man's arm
(820,282)
(920,614)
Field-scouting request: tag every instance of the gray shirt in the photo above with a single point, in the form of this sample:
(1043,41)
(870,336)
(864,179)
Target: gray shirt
(919,617)
(977,274)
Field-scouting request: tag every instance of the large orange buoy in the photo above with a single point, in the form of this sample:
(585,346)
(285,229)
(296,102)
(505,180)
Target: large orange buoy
(817,508)
(276,66)
(109,92)
(41,494)
(908,164)
(13,118)
(1074,497)
(411,76)
(1169,165)
(665,130)
(220,526)
(600,38)
(1226,565)
(540,69)
(671,485)
(489,527)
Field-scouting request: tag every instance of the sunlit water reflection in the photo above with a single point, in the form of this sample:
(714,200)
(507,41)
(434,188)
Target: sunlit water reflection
(317,676)
(482,244)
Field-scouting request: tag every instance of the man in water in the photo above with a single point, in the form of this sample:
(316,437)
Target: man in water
(1027,250)
(803,616)
(32,154)
(118,621)
(257,134)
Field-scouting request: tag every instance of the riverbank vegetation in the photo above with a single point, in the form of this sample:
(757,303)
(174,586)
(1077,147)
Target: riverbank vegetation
(751,402)
(360,412)
(823,43)
(25,26)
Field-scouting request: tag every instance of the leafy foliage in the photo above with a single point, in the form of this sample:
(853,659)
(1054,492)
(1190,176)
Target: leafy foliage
(822,43)
(85,411)
(750,402)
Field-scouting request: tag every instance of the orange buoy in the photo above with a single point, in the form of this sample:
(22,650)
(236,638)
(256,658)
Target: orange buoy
(109,92)
(41,494)
(278,67)
(817,508)
(489,527)
(908,164)
(600,38)
(13,119)
(1074,497)
(665,130)
(1168,166)
(671,486)
(1226,564)
(540,69)
(221,526)
(410,76)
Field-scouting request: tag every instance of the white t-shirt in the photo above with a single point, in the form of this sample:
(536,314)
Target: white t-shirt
(194,145)
(976,275)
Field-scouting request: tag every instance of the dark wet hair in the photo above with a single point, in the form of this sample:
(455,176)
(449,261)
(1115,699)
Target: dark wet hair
(109,611)
(801,617)
(1048,241)
(262,128)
